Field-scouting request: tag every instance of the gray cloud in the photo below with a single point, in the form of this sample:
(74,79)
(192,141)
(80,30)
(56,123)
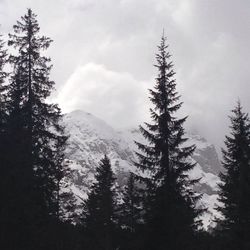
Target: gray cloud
(103,53)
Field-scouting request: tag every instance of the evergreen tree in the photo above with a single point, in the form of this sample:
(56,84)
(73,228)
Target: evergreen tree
(131,206)
(36,137)
(130,215)
(99,214)
(235,183)
(170,203)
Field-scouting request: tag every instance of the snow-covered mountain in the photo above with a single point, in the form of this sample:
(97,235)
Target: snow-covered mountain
(90,138)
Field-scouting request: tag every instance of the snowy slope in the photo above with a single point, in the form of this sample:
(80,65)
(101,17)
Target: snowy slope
(90,138)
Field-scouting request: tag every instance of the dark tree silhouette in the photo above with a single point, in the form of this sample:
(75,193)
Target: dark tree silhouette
(130,214)
(131,206)
(170,204)
(35,139)
(235,185)
(99,215)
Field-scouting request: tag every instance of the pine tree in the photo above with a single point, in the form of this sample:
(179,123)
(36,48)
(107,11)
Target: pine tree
(170,203)
(235,182)
(131,206)
(99,214)
(130,215)
(36,137)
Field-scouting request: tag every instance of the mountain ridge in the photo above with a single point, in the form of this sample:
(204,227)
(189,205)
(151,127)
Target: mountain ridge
(90,138)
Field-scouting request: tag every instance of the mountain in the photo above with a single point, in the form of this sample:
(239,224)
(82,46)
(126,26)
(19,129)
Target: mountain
(90,138)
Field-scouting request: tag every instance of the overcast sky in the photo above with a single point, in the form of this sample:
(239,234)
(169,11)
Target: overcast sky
(103,55)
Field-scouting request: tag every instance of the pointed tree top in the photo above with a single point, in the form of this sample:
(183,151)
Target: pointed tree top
(163,37)
(105,158)
(238,107)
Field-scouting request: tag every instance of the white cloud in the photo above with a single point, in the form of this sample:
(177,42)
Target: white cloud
(116,97)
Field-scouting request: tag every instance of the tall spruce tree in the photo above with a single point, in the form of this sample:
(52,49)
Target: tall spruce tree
(36,137)
(99,214)
(170,203)
(235,183)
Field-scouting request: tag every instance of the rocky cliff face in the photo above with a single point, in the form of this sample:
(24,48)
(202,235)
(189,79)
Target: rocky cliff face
(90,138)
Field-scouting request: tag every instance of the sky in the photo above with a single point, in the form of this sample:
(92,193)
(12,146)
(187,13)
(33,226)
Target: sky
(103,53)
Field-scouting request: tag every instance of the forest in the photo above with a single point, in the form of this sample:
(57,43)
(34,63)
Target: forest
(157,209)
